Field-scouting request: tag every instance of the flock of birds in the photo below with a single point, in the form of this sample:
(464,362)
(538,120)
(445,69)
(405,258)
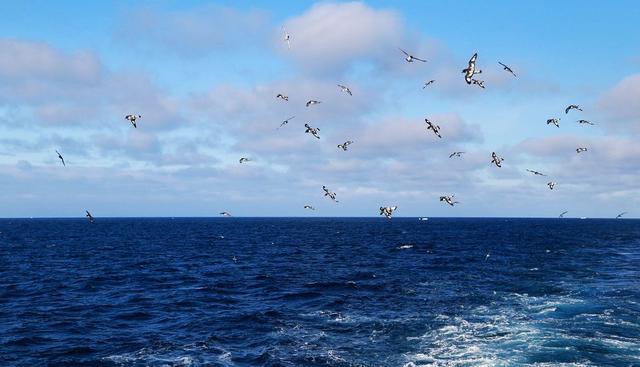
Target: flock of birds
(471,73)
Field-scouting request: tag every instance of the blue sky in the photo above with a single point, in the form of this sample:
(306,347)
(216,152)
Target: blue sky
(204,76)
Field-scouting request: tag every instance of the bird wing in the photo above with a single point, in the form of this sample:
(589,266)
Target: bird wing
(404,52)
(503,65)
(419,59)
(473,59)
(566,110)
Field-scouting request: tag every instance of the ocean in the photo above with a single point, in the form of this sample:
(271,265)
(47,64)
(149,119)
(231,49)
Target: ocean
(319,292)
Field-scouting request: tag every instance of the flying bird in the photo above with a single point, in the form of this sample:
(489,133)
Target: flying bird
(287,37)
(536,172)
(345,145)
(89,217)
(508,69)
(471,70)
(345,89)
(580,150)
(312,130)
(132,119)
(585,122)
(428,83)
(551,185)
(456,154)
(387,211)
(286,121)
(312,102)
(411,58)
(60,157)
(243,159)
(282,97)
(479,83)
(448,199)
(620,215)
(225,214)
(572,107)
(309,207)
(496,160)
(562,214)
(553,121)
(435,128)
(331,195)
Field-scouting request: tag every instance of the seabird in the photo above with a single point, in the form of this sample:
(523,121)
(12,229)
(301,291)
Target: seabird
(282,97)
(435,128)
(387,211)
(312,102)
(309,207)
(471,70)
(448,200)
(331,195)
(554,121)
(497,160)
(89,216)
(580,150)
(411,58)
(620,215)
(508,69)
(312,130)
(286,121)
(562,214)
(345,89)
(132,119)
(345,145)
(456,154)
(572,107)
(428,83)
(225,214)
(62,159)
(585,122)
(551,185)
(536,172)
(287,37)
(479,83)
(243,159)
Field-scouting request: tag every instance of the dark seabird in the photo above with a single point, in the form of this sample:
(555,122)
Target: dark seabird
(387,211)
(496,160)
(551,185)
(331,195)
(479,83)
(312,102)
(225,214)
(282,97)
(508,69)
(536,172)
(428,83)
(580,150)
(456,154)
(585,122)
(620,215)
(345,89)
(471,70)
(309,207)
(89,216)
(132,119)
(312,130)
(62,159)
(411,58)
(286,121)
(448,200)
(572,107)
(243,159)
(562,214)
(554,121)
(435,128)
(345,145)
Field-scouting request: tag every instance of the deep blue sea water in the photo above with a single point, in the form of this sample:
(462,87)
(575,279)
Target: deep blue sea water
(319,292)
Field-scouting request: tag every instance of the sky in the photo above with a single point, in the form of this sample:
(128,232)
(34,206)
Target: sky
(205,75)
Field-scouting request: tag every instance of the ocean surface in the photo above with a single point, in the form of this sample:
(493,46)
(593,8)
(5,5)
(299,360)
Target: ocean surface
(319,292)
